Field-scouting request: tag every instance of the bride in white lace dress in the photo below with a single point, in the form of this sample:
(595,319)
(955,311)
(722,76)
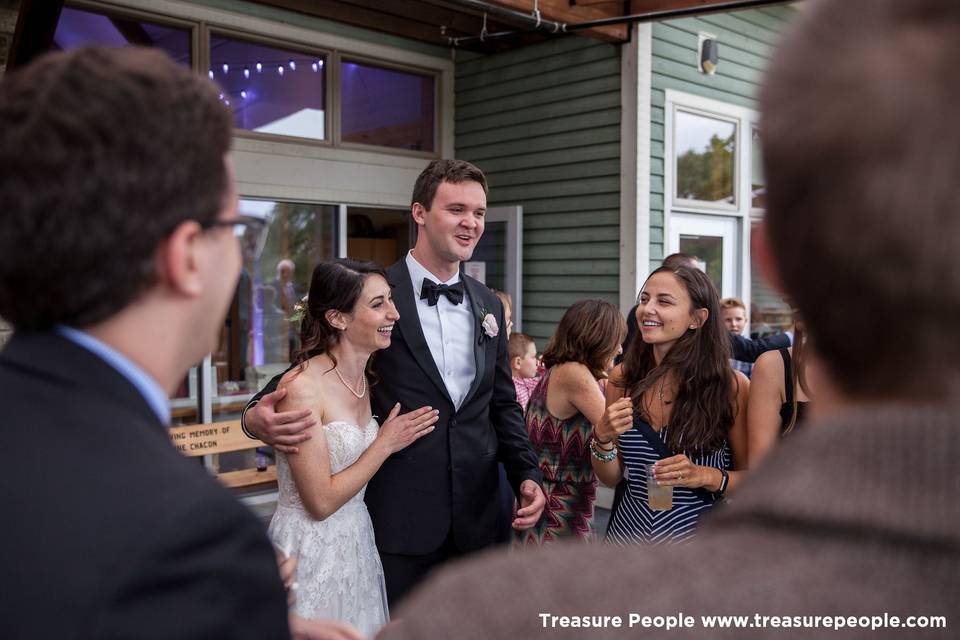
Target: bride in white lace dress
(321,516)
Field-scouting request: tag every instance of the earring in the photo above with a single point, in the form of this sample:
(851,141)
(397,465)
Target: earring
(693,326)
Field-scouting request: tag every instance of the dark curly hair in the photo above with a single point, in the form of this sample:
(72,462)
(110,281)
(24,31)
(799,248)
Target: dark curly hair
(103,152)
(704,407)
(334,285)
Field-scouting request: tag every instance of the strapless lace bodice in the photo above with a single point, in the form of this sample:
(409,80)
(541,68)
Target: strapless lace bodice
(339,574)
(345,443)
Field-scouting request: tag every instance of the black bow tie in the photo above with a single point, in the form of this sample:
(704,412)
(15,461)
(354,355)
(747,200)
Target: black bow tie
(431,292)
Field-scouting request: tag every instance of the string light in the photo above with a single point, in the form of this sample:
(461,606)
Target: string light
(243,94)
(291,65)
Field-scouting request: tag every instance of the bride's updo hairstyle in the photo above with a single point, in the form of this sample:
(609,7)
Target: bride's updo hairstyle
(334,286)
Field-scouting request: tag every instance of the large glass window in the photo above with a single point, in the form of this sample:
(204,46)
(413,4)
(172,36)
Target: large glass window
(260,335)
(705,150)
(386,107)
(80,27)
(271,90)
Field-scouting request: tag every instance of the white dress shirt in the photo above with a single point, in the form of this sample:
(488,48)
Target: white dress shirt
(449,331)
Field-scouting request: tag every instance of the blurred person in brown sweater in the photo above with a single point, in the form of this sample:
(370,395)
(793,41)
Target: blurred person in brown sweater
(856,515)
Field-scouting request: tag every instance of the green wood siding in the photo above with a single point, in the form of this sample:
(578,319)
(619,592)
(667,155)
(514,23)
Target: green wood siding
(543,122)
(746,40)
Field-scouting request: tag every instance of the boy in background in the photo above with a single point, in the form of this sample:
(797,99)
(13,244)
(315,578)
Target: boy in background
(734,315)
(523,366)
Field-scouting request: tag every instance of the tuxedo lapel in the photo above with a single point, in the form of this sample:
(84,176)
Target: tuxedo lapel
(479,337)
(406,303)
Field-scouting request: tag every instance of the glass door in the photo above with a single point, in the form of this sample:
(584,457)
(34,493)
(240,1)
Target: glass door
(713,241)
(498,258)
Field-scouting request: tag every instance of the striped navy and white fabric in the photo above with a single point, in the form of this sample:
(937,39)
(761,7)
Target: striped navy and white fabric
(634,522)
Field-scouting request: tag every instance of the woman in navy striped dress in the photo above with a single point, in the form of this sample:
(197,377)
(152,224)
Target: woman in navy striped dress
(673,404)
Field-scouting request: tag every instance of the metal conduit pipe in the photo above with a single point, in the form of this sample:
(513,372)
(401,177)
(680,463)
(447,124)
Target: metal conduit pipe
(650,16)
(532,19)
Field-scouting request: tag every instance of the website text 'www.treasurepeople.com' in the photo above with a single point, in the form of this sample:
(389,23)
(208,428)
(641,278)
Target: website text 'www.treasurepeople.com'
(754,621)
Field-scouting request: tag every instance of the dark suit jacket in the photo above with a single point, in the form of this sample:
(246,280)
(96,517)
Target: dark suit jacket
(110,531)
(742,349)
(447,479)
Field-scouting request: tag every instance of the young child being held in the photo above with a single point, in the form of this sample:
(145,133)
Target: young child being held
(523,365)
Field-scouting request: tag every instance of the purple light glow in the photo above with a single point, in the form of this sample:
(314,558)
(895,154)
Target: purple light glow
(78,27)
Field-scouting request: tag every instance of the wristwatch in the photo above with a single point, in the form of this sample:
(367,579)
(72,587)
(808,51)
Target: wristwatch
(723,483)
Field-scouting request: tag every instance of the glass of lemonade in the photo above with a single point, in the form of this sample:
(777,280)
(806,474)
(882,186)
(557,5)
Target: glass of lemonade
(659,498)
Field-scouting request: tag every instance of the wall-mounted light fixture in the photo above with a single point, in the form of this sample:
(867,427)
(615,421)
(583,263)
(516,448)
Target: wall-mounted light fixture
(708,54)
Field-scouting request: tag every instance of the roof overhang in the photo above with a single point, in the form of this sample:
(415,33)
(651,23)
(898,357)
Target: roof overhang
(484,26)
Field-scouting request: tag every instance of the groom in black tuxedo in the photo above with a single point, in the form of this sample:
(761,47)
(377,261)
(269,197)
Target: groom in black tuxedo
(437,499)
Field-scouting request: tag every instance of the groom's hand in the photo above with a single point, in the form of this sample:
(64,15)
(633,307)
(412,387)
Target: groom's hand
(283,431)
(531,505)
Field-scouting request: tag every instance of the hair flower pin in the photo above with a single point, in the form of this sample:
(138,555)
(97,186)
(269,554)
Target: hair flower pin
(299,310)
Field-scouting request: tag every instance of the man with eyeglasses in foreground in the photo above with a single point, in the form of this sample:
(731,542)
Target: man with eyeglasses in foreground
(119,257)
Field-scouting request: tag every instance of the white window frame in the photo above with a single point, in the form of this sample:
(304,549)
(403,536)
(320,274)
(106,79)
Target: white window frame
(746,120)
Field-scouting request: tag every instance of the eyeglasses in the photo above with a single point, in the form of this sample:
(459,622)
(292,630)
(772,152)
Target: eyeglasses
(250,231)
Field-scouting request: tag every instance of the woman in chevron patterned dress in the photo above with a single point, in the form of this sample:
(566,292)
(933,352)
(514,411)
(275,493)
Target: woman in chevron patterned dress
(561,414)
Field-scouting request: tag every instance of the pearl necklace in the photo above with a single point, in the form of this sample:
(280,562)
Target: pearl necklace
(362,385)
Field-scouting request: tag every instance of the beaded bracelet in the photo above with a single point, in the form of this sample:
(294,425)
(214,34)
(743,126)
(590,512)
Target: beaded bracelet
(601,445)
(602,456)
(596,437)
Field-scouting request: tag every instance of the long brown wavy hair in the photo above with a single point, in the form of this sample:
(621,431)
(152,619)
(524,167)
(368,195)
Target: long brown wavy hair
(703,408)
(798,375)
(334,285)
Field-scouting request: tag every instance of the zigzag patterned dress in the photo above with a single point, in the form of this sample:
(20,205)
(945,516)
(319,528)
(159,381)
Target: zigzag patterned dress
(568,479)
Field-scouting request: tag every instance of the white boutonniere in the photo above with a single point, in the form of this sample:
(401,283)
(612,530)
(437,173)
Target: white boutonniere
(489,324)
